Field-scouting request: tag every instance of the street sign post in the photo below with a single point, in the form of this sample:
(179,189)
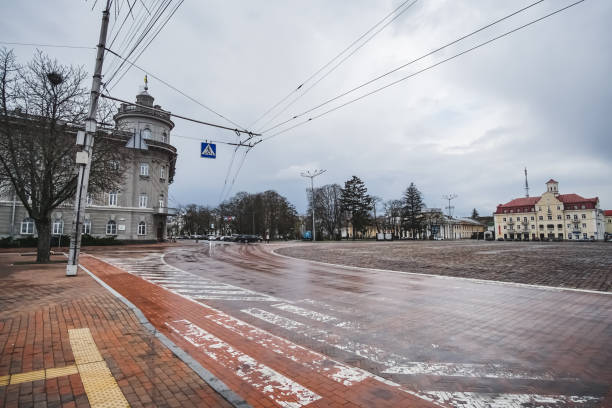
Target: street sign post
(208,150)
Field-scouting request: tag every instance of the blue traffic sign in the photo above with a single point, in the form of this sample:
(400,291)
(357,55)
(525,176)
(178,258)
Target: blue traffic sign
(208,150)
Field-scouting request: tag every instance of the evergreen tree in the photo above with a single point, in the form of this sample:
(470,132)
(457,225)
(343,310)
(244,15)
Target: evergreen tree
(413,206)
(356,203)
(475,214)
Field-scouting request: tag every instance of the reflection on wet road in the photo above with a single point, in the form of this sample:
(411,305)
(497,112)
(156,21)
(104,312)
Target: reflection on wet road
(459,342)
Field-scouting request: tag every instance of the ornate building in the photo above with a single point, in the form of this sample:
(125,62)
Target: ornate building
(139,208)
(550,216)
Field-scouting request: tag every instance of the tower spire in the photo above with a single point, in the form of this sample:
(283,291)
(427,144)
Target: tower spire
(526,184)
(146,81)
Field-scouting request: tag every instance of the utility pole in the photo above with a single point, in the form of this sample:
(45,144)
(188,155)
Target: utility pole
(450,208)
(311,176)
(84,157)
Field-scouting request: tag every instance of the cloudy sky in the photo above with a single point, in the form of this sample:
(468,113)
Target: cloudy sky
(540,98)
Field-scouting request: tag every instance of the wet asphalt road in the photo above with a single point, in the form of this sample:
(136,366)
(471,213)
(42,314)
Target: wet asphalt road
(461,342)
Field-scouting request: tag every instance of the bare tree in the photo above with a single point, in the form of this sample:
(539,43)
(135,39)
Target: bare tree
(329,209)
(42,106)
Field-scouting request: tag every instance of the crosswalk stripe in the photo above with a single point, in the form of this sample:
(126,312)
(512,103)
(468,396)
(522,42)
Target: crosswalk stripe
(280,389)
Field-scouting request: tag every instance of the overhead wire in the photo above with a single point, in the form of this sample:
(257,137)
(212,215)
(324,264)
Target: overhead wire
(413,61)
(282,100)
(424,69)
(46,45)
(149,26)
(150,41)
(333,68)
(191,98)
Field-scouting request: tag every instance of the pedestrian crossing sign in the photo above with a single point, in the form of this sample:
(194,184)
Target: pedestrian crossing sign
(208,150)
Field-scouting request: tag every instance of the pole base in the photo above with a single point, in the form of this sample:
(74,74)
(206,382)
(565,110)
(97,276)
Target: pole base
(71,270)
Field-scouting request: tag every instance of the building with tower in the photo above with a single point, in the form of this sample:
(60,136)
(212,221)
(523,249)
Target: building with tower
(138,210)
(551,216)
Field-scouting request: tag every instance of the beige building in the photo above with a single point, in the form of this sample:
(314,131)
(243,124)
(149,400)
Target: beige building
(550,216)
(608,222)
(136,211)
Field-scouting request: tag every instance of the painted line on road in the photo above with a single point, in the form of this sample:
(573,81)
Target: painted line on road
(475,280)
(491,400)
(315,361)
(394,363)
(280,389)
(313,315)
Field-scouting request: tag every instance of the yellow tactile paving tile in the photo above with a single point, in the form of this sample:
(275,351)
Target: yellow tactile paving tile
(4,380)
(100,385)
(61,371)
(27,377)
(83,346)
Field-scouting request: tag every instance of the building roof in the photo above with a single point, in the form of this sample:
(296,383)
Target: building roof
(521,202)
(608,213)
(575,198)
(552,181)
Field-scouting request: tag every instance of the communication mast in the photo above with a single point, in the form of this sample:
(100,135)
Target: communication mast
(526,184)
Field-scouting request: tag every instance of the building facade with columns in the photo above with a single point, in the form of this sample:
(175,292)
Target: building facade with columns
(138,210)
(550,216)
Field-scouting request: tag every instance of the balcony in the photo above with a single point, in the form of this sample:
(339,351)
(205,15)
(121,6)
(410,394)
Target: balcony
(164,211)
(510,222)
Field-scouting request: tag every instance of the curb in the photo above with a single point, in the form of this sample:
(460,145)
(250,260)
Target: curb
(215,383)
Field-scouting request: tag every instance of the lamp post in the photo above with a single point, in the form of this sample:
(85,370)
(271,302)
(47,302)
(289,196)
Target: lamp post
(311,176)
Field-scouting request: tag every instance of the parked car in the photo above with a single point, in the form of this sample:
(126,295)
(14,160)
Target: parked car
(227,238)
(249,238)
(212,238)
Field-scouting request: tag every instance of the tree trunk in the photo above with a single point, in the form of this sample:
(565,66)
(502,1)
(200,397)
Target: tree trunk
(43,227)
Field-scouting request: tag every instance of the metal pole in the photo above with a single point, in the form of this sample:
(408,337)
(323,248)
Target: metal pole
(314,231)
(13,214)
(312,175)
(84,163)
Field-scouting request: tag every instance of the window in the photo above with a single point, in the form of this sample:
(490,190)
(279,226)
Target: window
(27,226)
(162,172)
(161,201)
(114,164)
(58,227)
(510,218)
(532,226)
(111,228)
(112,199)
(550,217)
(540,218)
(142,228)
(142,202)
(582,206)
(569,226)
(575,216)
(558,207)
(560,226)
(583,216)
(532,218)
(583,225)
(505,227)
(146,133)
(89,199)
(164,137)
(504,219)
(144,169)
(559,217)
(86,227)
(568,216)
(541,226)
(525,219)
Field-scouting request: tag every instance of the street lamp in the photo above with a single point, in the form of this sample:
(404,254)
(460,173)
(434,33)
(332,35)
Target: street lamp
(311,176)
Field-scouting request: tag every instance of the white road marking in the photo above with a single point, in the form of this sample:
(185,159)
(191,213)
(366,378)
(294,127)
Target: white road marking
(481,400)
(332,369)
(280,389)
(462,370)
(317,316)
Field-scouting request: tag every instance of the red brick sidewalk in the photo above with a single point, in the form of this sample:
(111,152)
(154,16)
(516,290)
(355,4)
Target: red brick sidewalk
(265,370)
(39,305)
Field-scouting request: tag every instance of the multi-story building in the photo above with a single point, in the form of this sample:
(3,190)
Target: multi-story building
(550,216)
(139,208)
(608,222)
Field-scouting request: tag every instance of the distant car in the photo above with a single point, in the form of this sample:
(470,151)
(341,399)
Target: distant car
(249,238)
(227,238)
(438,238)
(212,238)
